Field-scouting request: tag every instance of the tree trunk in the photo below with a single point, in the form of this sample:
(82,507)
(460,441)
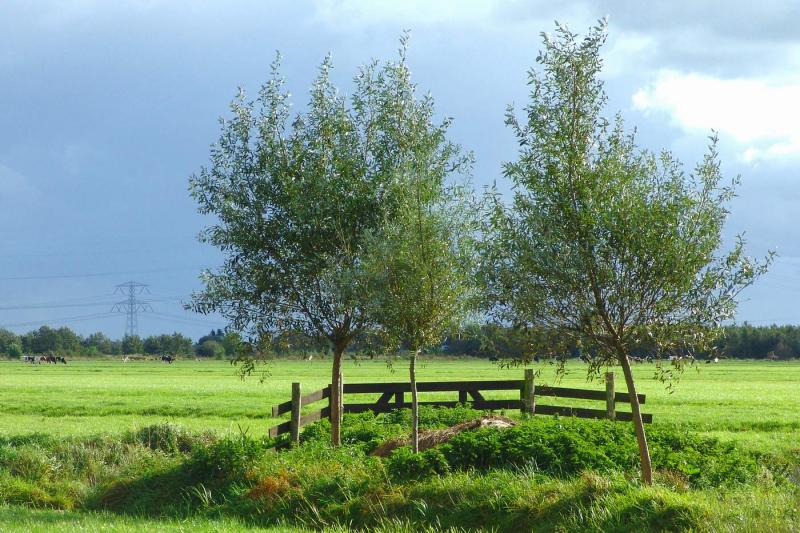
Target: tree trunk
(336,396)
(414,403)
(644,451)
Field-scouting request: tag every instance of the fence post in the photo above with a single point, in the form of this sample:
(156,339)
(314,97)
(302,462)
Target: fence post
(611,408)
(528,392)
(295,422)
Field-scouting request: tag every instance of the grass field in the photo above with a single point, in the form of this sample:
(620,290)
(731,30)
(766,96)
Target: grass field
(20,519)
(753,402)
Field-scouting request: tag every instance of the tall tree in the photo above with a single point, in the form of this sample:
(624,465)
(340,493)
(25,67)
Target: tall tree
(421,263)
(7,338)
(608,246)
(295,195)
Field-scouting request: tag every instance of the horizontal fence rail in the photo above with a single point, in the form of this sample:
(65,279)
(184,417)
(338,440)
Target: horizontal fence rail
(392,396)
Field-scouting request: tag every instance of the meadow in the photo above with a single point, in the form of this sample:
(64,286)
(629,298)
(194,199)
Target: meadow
(755,403)
(72,456)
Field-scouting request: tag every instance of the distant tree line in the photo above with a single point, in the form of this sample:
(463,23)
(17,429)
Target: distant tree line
(47,340)
(744,341)
(487,341)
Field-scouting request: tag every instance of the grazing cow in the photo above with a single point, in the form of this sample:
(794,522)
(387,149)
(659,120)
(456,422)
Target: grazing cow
(61,360)
(167,359)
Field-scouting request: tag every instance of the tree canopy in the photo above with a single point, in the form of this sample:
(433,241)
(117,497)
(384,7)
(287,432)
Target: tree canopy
(295,195)
(421,262)
(608,246)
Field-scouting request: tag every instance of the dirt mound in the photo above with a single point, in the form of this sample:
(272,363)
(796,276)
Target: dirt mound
(431,438)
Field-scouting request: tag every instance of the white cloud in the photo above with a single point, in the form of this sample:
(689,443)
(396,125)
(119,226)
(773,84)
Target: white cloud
(625,52)
(762,116)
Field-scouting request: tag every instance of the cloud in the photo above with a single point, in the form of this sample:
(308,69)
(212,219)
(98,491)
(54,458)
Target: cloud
(762,116)
(361,13)
(625,52)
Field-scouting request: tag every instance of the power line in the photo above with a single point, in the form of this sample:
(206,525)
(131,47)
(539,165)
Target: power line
(59,320)
(85,301)
(99,274)
(53,306)
(132,306)
(188,320)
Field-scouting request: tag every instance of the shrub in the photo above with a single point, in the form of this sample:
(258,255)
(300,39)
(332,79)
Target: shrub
(363,430)
(168,438)
(228,459)
(433,417)
(566,447)
(403,464)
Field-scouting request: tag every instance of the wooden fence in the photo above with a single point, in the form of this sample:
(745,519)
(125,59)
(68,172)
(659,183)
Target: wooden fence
(392,396)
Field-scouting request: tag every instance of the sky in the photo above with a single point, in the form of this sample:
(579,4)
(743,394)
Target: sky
(107,108)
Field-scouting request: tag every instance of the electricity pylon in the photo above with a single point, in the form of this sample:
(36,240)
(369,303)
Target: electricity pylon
(132,306)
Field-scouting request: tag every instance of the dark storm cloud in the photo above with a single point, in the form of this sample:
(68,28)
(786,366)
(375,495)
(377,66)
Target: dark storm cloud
(108,107)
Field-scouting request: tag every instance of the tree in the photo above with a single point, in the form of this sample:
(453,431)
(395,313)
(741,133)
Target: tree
(49,340)
(608,246)
(420,261)
(232,342)
(294,197)
(210,348)
(98,343)
(14,350)
(152,345)
(7,339)
(132,344)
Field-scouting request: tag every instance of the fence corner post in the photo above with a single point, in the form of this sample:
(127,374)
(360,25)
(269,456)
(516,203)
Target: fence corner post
(528,399)
(611,408)
(296,407)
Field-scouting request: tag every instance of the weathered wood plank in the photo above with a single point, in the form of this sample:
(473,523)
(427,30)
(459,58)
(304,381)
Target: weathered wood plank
(297,405)
(479,385)
(611,407)
(285,407)
(280,429)
(581,412)
(432,386)
(313,416)
(316,395)
(584,394)
(476,395)
(383,408)
(527,396)
(385,397)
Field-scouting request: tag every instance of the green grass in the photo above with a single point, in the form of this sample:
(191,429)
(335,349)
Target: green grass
(752,402)
(24,520)
(79,419)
